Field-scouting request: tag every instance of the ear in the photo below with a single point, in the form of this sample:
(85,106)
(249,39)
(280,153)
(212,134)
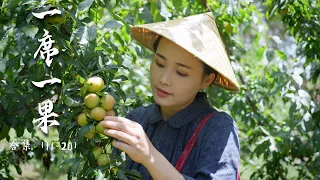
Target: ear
(208,79)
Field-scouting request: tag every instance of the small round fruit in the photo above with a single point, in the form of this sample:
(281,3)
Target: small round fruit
(100,128)
(57,18)
(107,102)
(96,151)
(228,28)
(98,113)
(91,100)
(111,113)
(103,159)
(90,134)
(96,84)
(82,119)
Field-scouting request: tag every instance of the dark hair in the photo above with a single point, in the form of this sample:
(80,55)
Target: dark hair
(207,70)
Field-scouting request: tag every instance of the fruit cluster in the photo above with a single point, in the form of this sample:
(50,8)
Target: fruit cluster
(98,105)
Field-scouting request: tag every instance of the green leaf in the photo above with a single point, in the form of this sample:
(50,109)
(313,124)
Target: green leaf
(163,9)
(71,102)
(260,52)
(270,55)
(85,5)
(101,175)
(146,15)
(78,33)
(3,66)
(84,38)
(84,89)
(13,3)
(177,4)
(111,69)
(85,129)
(281,54)
(121,77)
(111,24)
(307,116)
(298,79)
(68,161)
(264,131)
(92,32)
(134,174)
(305,98)
(75,166)
(121,174)
(118,37)
(30,31)
(4,132)
(18,169)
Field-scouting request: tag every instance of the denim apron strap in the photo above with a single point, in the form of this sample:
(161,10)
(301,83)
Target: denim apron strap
(187,150)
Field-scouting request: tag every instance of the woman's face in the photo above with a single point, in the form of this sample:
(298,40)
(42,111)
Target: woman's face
(177,72)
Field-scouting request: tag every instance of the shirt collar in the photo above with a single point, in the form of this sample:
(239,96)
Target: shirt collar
(183,117)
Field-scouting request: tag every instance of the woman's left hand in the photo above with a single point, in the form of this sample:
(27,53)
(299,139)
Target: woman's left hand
(132,138)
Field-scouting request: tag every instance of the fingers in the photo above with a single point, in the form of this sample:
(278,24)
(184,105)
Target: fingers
(119,126)
(122,146)
(121,119)
(122,136)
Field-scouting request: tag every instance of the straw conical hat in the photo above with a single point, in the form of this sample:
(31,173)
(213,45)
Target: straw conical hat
(198,35)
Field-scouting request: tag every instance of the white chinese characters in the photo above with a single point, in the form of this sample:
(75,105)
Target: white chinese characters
(45,48)
(42,83)
(46,51)
(45,110)
(14,145)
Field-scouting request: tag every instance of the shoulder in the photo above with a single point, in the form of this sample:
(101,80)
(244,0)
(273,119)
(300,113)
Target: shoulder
(220,128)
(219,148)
(220,120)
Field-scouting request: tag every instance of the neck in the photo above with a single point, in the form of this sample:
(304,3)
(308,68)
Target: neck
(168,111)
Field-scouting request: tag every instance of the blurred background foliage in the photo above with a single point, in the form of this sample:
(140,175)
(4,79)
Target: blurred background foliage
(273,45)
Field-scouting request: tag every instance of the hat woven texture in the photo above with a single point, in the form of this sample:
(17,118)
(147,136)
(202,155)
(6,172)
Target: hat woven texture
(199,35)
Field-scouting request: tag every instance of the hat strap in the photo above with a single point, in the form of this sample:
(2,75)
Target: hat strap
(156,43)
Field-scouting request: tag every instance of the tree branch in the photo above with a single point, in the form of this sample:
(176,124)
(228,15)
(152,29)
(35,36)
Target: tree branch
(58,91)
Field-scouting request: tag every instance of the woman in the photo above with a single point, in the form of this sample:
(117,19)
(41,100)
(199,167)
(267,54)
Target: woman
(180,136)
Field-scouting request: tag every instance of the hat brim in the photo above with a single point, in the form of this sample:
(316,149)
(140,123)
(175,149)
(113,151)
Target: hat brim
(148,33)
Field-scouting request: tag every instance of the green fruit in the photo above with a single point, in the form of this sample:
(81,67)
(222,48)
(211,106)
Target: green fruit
(57,18)
(100,128)
(91,100)
(96,151)
(90,134)
(111,113)
(103,159)
(82,119)
(107,102)
(98,113)
(96,84)
(228,28)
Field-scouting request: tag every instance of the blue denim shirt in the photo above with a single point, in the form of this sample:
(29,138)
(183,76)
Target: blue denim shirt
(216,154)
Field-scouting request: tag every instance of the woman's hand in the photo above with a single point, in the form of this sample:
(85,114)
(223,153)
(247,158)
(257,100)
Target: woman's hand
(132,138)
(135,142)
